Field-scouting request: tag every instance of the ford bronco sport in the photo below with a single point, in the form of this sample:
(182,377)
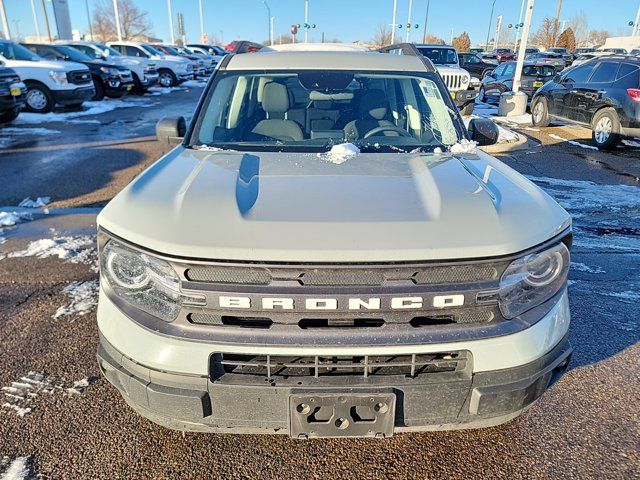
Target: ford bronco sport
(325,253)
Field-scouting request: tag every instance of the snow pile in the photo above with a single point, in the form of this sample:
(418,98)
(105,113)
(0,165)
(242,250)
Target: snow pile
(18,469)
(340,153)
(89,108)
(464,146)
(84,296)
(635,143)
(79,386)
(73,249)
(582,267)
(23,392)
(37,203)
(9,219)
(194,84)
(572,142)
(164,90)
(29,131)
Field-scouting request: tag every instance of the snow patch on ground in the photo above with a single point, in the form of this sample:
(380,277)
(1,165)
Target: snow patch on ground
(572,142)
(18,469)
(628,296)
(80,249)
(9,219)
(194,84)
(340,153)
(29,131)
(83,295)
(89,108)
(155,91)
(464,146)
(37,203)
(583,267)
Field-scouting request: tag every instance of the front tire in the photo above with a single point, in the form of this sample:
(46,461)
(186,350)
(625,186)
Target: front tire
(540,113)
(99,88)
(9,116)
(606,129)
(167,78)
(39,98)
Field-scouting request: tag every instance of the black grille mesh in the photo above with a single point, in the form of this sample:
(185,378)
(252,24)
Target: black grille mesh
(246,276)
(342,277)
(455,274)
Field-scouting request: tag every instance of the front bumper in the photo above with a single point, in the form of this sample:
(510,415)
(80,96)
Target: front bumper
(463,97)
(504,376)
(150,79)
(80,94)
(118,86)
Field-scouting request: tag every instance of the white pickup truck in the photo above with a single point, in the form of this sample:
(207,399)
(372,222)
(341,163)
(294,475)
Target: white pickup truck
(173,70)
(48,83)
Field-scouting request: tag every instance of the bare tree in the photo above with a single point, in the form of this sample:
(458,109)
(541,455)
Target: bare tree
(567,40)
(214,39)
(545,35)
(433,39)
(462,43)
(382,36)
(580,26)
(133,21)
(598,37)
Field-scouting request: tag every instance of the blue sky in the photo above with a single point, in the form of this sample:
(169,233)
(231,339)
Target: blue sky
(348,20)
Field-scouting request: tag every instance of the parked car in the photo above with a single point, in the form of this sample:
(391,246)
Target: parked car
(214,50)
(13,93)
(500,80)
(383,289)
(199,68)
(635,52)
(585,57)
(475,65)
(48,83)
(109,79)
(581,51)
(209,61)
(457,80)
(499,55)
(530,50)
(616,51)
(143,70)
(603,94)
(476,51)
(566,55)
(547,58)
(172,70)
(243,46)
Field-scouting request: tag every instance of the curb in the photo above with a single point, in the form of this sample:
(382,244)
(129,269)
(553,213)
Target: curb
(521,144)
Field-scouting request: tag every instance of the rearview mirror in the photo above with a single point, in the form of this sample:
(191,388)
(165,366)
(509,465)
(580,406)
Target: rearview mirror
(171,130)
(483,131)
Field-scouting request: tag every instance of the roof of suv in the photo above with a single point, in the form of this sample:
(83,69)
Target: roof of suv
(325,60)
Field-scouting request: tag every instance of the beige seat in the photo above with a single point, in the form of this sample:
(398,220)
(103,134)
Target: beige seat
(275,101)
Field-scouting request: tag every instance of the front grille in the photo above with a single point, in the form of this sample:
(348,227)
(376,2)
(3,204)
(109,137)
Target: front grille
(272,367)
(344,276)
(454,82)
(79,77)
(9,80)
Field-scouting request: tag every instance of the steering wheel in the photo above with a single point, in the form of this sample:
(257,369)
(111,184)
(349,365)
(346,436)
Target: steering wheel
(387,128)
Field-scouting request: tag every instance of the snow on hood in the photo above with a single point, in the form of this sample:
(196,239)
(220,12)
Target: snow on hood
(340,153)
(272,206)
(53,65)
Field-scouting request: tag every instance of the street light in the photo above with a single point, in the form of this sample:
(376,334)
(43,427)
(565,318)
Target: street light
(173,38)
(117,12)
(426,19)
(202,35)
(270,20)
(486,45)
(35,20)
(393,22)
(635,24)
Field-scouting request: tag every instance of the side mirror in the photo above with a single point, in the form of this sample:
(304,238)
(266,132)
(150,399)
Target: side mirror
(171,130)
(483,131)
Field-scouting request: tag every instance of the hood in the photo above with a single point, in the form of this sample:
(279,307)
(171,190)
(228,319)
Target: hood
(450,70)
(174,58)
(298,207)
(53,65)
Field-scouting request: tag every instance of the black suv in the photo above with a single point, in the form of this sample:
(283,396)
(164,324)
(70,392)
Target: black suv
(109,79)
(473,64)
(602,93)
(12,94)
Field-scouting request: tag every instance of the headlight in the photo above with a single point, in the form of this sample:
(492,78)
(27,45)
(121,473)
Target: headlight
(110,71)
(532,280)
(475,82)
(143,281)
(59,77)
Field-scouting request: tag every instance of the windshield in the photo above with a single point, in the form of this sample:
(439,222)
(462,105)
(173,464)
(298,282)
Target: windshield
(151,51)
(170,50)
(13,51)
(108,51)
(314,110)
(440,56)
(73,54)
(538,71)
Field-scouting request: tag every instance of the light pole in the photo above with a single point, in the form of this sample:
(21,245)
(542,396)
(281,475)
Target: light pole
(16,22)
(46,20)
(408,25)
(523,47)
(393,22)
(306,21)
(86,4)
(202,36)
(173,38)
(5,24)
(519,26)
(269,19)
(35,20)
(426,19)
(486,45)
(635,25)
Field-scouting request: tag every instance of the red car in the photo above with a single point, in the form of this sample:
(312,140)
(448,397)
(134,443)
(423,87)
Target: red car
(500,55)
(243,46)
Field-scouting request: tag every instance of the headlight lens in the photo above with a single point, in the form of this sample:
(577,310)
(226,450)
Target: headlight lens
(532,280)
(59,77)
(110,71)
(143,281)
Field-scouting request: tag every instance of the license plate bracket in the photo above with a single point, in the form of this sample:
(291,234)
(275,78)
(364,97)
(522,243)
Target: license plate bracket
(326,415)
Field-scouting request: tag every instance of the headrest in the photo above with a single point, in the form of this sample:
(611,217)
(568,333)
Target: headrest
(275,98)
(373,104)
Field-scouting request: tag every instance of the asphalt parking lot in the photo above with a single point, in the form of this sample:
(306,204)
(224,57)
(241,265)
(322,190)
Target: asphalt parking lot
(67,422)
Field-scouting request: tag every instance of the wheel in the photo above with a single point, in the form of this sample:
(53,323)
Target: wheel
(9,116)
(540,113)
(167,78)
(467,109)
(138,89)
(39,98)
(99,87)
(606,129)
(484,74)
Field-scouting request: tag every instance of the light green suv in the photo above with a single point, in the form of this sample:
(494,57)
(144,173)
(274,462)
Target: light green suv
(326,253)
